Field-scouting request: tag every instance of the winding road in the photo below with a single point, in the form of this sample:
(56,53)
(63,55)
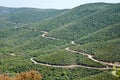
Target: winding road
(67,66)
(91,57)
(45,33)
(73,51)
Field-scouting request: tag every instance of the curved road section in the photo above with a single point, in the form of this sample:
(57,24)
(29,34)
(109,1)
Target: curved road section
(67,66)
(73,51)
(91,57)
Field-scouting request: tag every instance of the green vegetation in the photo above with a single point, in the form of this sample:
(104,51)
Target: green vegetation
(118,73)
(62,57)
(102,35)
(21,63)
(88,24)
(26,15)
(101,76)
(103,51)
(70,16)
(94,27)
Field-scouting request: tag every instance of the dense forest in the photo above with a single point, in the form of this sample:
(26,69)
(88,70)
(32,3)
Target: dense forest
(82,43)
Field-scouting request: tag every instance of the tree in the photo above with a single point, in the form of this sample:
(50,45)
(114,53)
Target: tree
(28,75)
(118,73)
(31,75)
(4,77)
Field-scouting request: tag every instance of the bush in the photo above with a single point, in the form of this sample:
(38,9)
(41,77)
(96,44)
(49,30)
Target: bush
(30,75)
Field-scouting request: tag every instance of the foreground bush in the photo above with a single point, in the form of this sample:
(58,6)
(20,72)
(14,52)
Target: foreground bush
(30,75)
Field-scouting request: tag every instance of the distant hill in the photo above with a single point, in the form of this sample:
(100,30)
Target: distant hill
(26,15)
(44,35)
(70,16)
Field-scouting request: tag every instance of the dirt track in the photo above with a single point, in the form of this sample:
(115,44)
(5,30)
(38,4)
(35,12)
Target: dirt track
(73,51)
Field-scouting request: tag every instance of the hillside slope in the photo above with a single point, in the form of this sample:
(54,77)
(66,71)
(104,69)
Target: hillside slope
(72,35)
(107,33)
(70,16)
(26,15)
(88,24)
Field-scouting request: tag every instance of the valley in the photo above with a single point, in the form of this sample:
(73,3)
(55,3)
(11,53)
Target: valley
(82,43)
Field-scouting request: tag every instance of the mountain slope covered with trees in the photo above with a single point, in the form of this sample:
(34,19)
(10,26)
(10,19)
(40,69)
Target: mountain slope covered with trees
(68,44)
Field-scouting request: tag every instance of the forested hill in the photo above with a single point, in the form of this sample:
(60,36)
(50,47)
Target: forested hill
(93,17)
(26,15)
(82,43)
(72,15)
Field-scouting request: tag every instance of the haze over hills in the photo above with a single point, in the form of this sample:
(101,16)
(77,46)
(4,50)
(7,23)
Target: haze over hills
(70,44)
(27,15)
